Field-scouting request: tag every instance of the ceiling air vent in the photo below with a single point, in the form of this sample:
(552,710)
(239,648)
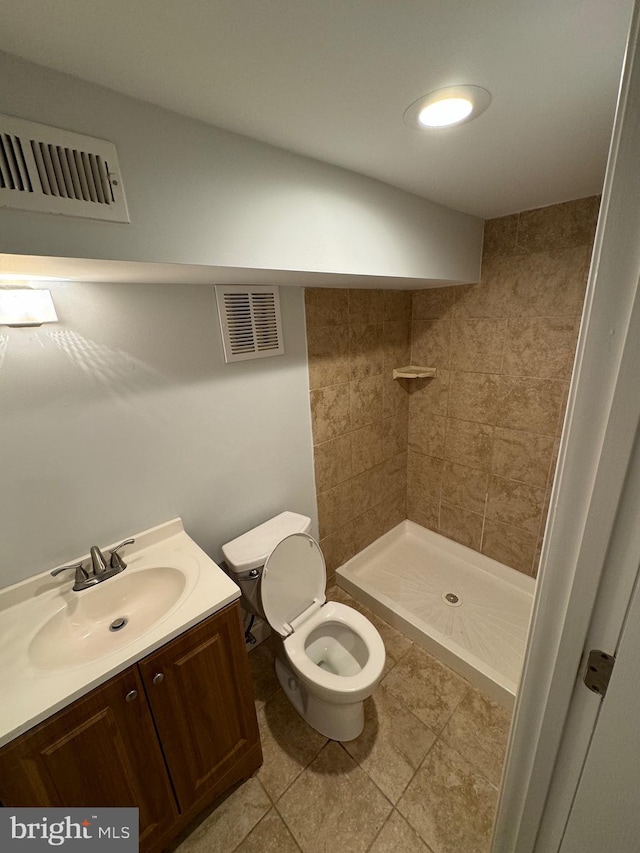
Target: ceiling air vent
(49,170)
(250,321)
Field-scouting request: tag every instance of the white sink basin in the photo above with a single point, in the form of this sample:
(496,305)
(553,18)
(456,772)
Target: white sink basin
(106,616)
(55,644)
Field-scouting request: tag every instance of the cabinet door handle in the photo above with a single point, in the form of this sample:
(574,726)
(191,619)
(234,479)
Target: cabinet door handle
(158,677)
(131,695)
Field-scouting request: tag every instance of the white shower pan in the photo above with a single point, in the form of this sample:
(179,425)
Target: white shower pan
(469,611)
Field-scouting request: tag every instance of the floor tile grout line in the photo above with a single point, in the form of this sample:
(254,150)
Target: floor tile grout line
(289,830)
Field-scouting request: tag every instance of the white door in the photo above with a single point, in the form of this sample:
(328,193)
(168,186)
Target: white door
(572,777)
(606,811)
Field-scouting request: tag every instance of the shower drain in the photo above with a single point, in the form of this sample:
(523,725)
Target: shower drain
(452,599)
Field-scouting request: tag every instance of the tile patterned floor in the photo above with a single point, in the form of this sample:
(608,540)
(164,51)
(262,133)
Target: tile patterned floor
(422,777)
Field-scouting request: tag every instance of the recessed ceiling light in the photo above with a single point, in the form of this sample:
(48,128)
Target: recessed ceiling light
(446,107)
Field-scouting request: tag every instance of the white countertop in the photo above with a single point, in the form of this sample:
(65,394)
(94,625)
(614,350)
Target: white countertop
(30,692)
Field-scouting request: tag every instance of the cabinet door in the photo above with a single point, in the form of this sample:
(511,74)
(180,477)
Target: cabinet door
(200,692)
(100,751)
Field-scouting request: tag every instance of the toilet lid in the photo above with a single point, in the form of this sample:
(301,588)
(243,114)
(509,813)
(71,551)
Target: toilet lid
(293,576)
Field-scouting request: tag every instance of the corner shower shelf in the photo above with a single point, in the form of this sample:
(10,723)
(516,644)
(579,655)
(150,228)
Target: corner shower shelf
(413,371)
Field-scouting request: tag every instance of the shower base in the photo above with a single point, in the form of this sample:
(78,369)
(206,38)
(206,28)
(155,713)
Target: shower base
(469,611)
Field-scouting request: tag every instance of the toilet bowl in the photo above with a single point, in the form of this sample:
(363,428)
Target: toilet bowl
(331,657)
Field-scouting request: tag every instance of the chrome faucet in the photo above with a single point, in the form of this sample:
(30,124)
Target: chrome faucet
(99,570)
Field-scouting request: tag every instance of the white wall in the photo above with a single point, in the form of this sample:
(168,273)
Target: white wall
(124,415)
(201,195)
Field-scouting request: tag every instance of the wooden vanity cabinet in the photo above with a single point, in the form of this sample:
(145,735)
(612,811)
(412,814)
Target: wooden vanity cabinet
(168,735)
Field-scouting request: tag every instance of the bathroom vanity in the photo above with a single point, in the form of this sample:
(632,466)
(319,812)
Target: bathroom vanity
(170,732)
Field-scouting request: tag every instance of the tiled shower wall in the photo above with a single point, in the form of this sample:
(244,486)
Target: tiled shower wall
(483,435)
(359,415)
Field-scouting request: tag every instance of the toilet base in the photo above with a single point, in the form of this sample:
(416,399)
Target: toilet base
(337,722)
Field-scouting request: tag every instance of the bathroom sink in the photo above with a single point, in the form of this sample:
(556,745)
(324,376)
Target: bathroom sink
(56,644)
(99,620)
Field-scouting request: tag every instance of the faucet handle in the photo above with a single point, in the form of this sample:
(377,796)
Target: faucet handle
(116,561)
(81,573)
(77,567)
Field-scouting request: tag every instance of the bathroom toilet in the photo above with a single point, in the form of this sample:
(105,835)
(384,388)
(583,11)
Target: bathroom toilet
(331,657)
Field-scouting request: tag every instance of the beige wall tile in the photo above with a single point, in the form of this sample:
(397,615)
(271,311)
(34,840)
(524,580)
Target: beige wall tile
(366,447)
(393,510)
(427,434)
(328,353)
(336,507)
(367,490)
(474,396)
(366,306)
(491,296)
(366,350)
(365,401)
(515,503)
(461,525)
(529,404)
(498,409)
(395,435)
(432,303)
(508,545)
(424,476)
(429,396)
(394,475)
(522,455)
(338,548)
(500,235)
(330,412)
(397,305)
(326,306)
(464,487)
(332,461)
(367,528)
(397,344)
(571,223)
(478,344)
(431,343)
(541,346)
(395,395)
(549,284)
(469,443)
(421,510)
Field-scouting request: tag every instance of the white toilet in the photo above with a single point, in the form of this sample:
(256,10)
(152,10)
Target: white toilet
(332,656)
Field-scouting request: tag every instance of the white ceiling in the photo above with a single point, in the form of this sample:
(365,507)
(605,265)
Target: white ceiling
(332,78)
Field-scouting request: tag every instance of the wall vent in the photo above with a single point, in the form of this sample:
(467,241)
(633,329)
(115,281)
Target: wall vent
(48,170)
(250,321)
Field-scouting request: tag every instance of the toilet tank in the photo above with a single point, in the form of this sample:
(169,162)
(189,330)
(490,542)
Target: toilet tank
(251,550)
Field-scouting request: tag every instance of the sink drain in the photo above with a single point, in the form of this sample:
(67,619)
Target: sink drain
(118,624)
(452,599)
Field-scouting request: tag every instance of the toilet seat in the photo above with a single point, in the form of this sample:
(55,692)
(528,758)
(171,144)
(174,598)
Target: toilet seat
(293,582)
(347,685)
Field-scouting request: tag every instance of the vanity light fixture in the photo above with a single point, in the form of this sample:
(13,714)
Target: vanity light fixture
(446,107)
(26,307)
